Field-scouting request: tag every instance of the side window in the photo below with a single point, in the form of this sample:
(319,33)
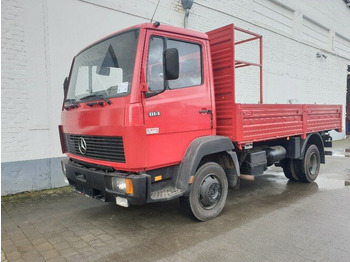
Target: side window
(155,79)
(190,64)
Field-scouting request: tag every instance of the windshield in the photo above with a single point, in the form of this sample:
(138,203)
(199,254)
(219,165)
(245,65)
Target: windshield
(105,69)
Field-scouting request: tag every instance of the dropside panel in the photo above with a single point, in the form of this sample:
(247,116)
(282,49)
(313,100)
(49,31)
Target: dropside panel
(265,122)
(323,117)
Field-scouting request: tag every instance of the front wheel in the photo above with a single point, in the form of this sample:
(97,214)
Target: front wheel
(208,193)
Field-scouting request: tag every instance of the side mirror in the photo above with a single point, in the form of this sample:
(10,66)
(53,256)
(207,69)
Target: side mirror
(171,63)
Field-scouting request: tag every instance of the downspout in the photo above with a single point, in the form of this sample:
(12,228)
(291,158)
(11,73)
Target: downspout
(187,13)
(187,5)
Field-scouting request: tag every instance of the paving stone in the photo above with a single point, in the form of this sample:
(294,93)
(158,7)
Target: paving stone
(89,237)
(56,259)
(80,244)
(50,253)
(13,255)
(75,258)
(69,253)
(39,241)
(33,256)
(62,245)
(105,237)
(10,249)
(2,255)
(44,246)
(18,260)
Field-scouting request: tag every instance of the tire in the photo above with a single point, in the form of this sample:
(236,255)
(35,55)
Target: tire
(310,164)
(290,169)
(208,193)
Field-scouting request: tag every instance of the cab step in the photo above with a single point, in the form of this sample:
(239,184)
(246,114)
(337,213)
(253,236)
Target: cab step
(166,193)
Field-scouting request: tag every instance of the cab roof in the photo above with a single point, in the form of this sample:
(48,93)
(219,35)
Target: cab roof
(172,29)
(161,28)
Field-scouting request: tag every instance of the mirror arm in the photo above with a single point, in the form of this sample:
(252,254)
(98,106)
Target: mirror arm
(148,94)
(144,87)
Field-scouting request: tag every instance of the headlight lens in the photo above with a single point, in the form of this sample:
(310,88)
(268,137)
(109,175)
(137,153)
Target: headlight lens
(119,184)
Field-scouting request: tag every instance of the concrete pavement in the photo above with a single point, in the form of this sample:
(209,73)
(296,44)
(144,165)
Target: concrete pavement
(268,219)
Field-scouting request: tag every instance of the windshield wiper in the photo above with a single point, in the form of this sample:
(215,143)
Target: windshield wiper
(100,97)
(70,100)
(74,103)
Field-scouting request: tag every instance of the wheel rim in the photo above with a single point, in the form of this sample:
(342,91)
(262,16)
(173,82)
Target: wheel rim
(312,164)
(210,192)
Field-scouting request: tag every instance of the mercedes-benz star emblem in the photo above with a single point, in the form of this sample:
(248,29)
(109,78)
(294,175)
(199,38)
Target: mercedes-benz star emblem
(82,146)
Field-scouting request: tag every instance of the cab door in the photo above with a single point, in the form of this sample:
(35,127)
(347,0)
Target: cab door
(183,111)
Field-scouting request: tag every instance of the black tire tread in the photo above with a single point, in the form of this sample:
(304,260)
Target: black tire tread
(302,166)
(287,167)
(185,201)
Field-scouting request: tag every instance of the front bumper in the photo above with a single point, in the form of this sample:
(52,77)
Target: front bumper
(97,183)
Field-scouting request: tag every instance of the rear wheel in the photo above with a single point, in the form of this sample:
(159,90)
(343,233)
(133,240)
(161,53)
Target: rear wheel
(310,165)
(290,169)
(208,193)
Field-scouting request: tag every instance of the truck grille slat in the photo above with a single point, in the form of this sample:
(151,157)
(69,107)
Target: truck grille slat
(98,147)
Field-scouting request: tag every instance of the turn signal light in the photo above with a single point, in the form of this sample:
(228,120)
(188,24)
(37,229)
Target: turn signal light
(158,178)
(129,187)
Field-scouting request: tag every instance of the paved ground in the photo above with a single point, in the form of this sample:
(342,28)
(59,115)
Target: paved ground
(269,219)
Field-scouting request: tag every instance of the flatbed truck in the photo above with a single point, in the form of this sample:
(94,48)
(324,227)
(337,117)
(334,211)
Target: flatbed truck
(150,114)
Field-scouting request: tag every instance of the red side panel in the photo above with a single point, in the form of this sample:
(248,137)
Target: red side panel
(264,122)
(222,55)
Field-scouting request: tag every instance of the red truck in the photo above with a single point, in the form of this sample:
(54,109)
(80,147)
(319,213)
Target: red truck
(149,114)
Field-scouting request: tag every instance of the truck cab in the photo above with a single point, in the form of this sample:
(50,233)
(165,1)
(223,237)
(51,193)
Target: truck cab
(124,116)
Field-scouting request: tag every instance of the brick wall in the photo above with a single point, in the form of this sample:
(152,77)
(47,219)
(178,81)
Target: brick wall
(14,99)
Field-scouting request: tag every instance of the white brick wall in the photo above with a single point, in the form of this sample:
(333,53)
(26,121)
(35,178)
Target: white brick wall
(39,39)
(14,104)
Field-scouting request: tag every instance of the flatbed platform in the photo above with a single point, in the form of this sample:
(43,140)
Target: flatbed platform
(248,123)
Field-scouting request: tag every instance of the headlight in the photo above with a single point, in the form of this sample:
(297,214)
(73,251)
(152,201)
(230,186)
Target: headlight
(119,184)
(122,185)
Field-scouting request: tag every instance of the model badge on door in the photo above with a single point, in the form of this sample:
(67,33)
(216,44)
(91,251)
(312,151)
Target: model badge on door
(151,131)
(155,113)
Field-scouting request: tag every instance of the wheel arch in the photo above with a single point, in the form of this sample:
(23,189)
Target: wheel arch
(217,149)
(316,139)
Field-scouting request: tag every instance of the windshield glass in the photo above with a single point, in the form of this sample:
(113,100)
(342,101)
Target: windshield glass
(105,69)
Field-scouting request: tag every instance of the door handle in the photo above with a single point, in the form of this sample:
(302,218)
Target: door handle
(205,111)
(208,112)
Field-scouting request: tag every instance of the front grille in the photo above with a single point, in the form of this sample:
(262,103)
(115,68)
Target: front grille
(109,148)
